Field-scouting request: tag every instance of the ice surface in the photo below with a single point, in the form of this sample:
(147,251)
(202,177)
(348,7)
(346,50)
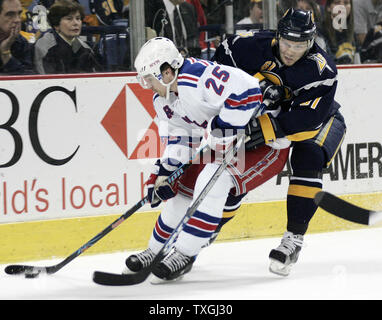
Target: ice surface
(336,265)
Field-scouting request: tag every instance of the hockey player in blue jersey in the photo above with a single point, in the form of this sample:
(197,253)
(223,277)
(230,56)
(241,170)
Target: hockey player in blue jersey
(310,118)
(194,98)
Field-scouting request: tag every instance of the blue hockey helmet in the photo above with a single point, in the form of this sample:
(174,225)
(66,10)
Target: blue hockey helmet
(297,25)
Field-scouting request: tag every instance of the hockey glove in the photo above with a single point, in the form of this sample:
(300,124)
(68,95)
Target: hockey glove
(158,189)
(263,130)
(273,94)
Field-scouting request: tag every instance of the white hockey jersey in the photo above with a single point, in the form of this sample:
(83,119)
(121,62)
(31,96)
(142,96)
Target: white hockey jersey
(205,90)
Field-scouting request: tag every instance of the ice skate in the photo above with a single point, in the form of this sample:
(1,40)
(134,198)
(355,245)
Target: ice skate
(172,267)
(139,261)
(286,254)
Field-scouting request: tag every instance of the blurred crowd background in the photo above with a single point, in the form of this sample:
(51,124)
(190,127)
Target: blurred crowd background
(37,37)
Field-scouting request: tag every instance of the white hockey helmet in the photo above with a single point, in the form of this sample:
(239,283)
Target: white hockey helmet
(153,54)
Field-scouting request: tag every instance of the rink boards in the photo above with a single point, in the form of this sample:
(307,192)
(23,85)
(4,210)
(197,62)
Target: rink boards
(75,151)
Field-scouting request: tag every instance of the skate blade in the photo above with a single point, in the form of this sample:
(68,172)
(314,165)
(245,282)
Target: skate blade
(155,280)
(279,268)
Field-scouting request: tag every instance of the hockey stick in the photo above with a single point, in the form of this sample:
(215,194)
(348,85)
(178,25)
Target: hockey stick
(346,210)
(114,279)
(34,271)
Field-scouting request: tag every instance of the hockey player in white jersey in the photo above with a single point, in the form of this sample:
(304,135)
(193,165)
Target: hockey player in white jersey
(192,99)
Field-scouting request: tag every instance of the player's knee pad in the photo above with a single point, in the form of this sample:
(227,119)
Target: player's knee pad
(307,156)
(174,210)
(215,199)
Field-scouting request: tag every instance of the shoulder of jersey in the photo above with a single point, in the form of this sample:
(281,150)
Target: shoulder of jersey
(252,47)
(321,62)
(191,71)
(251,38)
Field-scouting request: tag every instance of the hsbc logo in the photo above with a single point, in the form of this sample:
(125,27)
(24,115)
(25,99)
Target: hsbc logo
(130,123)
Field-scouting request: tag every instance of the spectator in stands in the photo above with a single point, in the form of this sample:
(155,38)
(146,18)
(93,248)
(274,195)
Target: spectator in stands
(321,2)
(255,13)
(284,5)
(338,29)
(367,13)
(112,46)
(240,8)
(61,50)
(312,6)
(176,20)
(16,54)
(214,11)
(371,51)
(206,43)
(25,5)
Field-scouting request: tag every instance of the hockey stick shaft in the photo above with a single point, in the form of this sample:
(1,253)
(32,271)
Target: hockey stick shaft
(19,269)
(346,210)
(106,278)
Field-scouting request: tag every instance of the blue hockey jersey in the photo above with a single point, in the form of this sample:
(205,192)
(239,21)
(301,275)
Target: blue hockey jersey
(310,83)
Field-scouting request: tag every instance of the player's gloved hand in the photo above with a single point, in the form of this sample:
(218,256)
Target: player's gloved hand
(273,94)
(263,130)
(158,189)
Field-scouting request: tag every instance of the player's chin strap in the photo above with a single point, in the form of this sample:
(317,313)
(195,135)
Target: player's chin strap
(168,85)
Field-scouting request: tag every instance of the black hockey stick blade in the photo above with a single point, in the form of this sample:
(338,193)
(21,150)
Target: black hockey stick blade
(17,269)
(114,279)
(346,210)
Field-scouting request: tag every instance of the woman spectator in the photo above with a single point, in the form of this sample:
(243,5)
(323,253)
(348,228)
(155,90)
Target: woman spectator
(312,6)
(61,50)
(338,29)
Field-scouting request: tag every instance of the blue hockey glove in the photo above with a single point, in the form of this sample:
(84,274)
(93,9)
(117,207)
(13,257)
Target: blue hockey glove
(158,189)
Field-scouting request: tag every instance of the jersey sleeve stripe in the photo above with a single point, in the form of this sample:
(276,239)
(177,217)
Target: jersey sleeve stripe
(247,100)
(226,125)
(187,77)
(327,82)
(187,80)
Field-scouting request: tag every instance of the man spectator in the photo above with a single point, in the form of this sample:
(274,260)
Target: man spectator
(176,20)
(16,54)
(366,15)
(255,13)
